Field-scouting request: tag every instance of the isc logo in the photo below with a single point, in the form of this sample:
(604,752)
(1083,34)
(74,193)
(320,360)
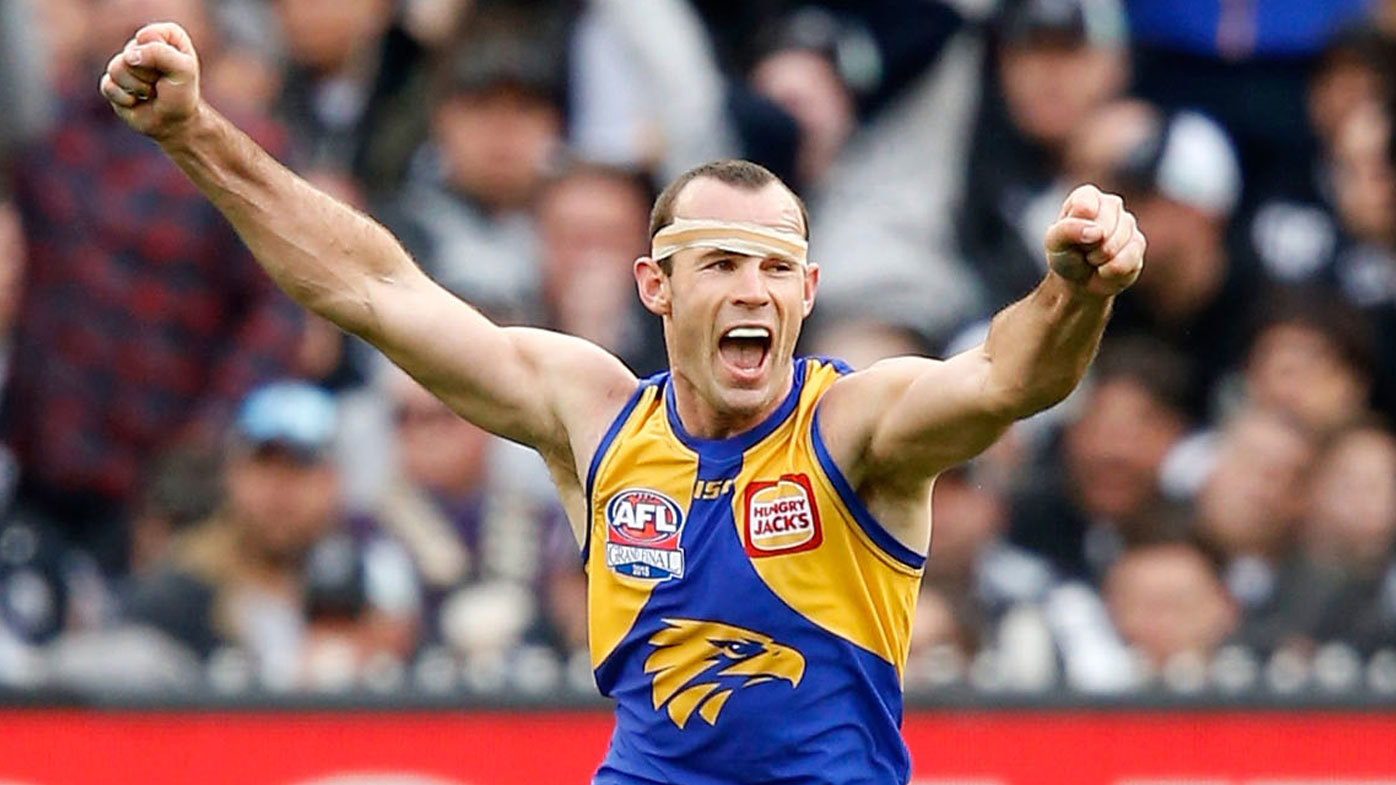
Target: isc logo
(781,516)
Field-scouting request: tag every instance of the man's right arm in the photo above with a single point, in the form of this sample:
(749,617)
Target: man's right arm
(517,382)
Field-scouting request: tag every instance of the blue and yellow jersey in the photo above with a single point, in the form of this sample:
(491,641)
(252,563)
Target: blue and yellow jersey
(747,614)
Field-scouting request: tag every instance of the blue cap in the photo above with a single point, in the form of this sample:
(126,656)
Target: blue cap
(297,416)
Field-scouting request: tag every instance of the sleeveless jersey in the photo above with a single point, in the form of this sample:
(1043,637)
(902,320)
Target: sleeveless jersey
(747,614)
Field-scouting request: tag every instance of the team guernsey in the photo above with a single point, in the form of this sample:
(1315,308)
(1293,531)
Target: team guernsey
(747,614)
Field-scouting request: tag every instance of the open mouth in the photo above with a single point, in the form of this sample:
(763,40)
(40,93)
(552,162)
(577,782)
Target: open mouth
(745,349)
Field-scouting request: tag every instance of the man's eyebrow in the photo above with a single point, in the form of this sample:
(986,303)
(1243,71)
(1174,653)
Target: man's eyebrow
(714,253)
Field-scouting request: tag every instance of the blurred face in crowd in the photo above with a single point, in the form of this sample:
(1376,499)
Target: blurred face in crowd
(592,225)
(439,451)
(1051,84)
(965,519)
(1352,504)
(1296,369)
(282,502)
(710,292)
(860,343)
(1167,600)
(326,35)
(1363,177)
(110,23)
(496,143)
(64,26)
(1343,86)
(809,88)
(1187,259)
(1115,450)
(1255,493)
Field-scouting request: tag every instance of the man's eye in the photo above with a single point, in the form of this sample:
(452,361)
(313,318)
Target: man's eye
(721,264)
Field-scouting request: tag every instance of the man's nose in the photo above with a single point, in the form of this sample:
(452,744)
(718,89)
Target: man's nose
(750,287)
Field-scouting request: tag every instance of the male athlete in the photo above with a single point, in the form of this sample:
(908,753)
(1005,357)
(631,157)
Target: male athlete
(754,524)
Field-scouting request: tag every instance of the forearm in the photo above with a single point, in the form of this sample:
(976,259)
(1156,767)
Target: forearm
(324,254)
(1039,348)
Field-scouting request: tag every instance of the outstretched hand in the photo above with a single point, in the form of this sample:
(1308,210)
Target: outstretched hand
(1096,243)
(153,83)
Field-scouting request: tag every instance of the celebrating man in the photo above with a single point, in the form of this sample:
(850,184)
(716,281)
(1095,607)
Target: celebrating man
(754,524)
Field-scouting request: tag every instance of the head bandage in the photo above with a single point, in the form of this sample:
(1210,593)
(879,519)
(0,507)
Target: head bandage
(747,239)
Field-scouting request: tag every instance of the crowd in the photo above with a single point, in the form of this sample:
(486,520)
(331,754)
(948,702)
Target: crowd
(204,487)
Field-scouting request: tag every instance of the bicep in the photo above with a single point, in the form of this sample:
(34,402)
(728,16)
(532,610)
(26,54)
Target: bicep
(529,385)
(924,415)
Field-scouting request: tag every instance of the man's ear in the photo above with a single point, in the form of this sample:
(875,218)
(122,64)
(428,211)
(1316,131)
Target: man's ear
(654,286)
(811,286)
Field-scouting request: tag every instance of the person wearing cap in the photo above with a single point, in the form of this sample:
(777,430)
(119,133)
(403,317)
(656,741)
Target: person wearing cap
(754,524)
(244,578)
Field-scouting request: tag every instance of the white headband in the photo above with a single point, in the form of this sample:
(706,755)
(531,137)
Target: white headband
(747,239)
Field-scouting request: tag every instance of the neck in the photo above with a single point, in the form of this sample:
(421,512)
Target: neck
(707,419)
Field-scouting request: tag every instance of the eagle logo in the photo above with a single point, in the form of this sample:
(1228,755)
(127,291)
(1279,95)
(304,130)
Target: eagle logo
(698,664)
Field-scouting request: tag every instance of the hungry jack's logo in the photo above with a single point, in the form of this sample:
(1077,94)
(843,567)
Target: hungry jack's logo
(781,516)
(643,528)
(697,665)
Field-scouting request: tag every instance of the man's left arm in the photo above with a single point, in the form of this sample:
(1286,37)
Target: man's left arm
(903,421)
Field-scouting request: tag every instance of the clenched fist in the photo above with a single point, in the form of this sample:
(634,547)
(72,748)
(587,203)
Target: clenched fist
(153,83)
(1096,243)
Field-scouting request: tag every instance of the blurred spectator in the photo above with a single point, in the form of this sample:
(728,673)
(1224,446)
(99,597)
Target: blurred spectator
(496,126)
(26,91)
(183,487)
(1178,173)
(665,84)
(593,222)
(1053,63)
(1346,590)
(1169,603)
(479,538)
(1364,184)
(1312,359)
(142,319)
(985,595)
(885,214)
(1248,511)
(860,343)
(1103,494)
(333,47)
(1245,64)
(1293,231)
(278,557)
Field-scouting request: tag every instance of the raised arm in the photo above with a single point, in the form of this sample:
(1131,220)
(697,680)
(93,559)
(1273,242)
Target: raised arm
(902,421)
(532,386)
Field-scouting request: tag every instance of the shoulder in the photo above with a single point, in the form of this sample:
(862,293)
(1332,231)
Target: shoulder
(590,388)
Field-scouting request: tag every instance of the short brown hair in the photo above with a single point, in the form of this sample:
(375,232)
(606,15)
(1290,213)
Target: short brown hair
(732,171)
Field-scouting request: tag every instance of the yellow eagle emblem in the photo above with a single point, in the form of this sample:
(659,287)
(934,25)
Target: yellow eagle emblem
(698,664)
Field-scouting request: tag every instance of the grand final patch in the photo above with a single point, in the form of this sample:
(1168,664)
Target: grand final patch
(781,516)
(643,528)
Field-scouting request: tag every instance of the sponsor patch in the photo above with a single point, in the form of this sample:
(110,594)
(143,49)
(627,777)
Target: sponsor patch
(781,516)
(642,535)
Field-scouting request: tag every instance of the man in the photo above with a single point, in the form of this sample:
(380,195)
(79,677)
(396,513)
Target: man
(733,652)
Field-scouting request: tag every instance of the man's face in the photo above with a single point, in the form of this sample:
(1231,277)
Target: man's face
(496,143)
(1115,450)
(439,451)
(710,293)
(1050,86)
(283,504)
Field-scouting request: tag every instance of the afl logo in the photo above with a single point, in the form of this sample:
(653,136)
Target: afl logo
(643,527)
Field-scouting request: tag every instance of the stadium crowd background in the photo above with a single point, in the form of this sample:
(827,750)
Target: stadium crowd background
(205,489)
